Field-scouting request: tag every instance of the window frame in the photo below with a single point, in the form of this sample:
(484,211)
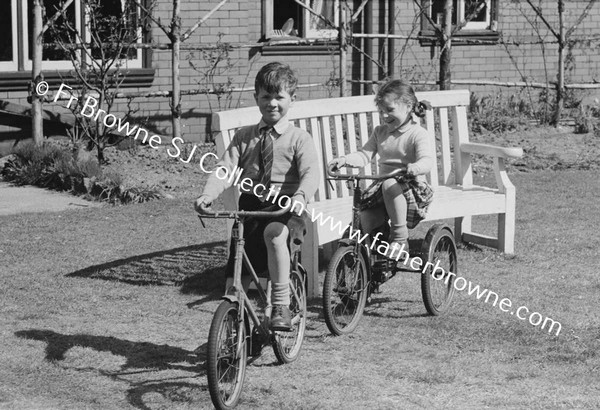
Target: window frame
(13,65)
(24,28)
(329,35)
(16,75)
(128,63)
(487,30)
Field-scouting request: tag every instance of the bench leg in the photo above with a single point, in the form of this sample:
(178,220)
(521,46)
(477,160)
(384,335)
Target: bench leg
(461,226)
(310,261)
(506,232)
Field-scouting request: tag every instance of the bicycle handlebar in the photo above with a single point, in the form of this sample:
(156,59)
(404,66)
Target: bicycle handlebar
(207,211)
(399,171)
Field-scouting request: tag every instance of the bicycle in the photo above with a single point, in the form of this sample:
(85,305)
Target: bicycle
(355,271)
(237,331)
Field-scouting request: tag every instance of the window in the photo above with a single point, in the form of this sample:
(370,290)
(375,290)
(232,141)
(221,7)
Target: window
(482,25)
(461,9)
(16,22)
(287,20)
(8,35)
(51,58)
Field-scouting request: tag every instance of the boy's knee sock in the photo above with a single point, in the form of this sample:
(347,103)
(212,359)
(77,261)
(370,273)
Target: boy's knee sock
(280,292)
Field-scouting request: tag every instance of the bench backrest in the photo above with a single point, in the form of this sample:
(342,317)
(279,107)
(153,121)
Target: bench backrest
(342,125)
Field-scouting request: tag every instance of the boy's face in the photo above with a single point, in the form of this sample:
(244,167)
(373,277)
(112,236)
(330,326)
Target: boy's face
(273,106)
(394,112)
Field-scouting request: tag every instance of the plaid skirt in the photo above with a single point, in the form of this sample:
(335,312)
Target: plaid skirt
(418,194)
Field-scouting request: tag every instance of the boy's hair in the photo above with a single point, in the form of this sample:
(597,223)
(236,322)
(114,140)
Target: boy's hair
(403,92)
(275,77)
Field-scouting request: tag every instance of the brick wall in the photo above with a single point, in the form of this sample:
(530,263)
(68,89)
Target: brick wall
(239,22)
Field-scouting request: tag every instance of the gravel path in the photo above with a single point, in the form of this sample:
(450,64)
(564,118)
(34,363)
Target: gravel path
(16,200)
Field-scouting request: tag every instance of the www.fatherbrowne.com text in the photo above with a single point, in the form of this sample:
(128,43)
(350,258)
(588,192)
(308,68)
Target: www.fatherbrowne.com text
(233,177)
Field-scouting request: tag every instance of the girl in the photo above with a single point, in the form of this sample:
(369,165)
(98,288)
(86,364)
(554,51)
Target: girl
(399,141)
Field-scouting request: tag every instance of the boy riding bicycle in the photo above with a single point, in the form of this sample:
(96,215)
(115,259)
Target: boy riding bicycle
(280,160)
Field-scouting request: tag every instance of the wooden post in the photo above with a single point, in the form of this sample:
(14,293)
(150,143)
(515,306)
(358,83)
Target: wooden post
(391,49)
(446,47)
(343,50)
(368,19)
(560,86)
(175,35)
(37,125)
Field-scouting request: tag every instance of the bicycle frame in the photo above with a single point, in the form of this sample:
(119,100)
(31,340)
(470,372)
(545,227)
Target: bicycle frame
(237,294)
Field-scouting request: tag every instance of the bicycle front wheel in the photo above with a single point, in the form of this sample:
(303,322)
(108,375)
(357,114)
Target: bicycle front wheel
(345,291)
(287,345)
(437,283)
(227,354)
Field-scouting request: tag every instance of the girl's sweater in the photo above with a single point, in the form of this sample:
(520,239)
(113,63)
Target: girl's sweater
(409,143)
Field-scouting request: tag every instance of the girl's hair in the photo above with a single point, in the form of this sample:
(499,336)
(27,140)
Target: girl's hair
(403,92)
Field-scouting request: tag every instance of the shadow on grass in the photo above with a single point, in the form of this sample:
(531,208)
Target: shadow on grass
(139,355)
(198,269)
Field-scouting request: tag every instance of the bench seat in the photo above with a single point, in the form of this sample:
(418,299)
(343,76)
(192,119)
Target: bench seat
(449,202)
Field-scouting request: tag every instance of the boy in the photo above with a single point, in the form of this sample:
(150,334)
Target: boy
(275,155)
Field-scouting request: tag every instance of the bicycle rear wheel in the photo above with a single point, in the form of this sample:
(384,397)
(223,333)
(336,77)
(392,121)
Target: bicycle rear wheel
(227,354)
(344,291)
(287,345)
(437,284)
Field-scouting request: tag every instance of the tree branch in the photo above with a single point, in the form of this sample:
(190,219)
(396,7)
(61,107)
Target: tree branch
(56,16)
(583,15)
(191,30)
(538,11)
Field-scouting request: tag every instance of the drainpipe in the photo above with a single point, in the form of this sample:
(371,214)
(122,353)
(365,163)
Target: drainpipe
(368,16)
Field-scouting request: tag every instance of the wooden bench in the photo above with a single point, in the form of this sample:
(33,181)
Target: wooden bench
(343,125)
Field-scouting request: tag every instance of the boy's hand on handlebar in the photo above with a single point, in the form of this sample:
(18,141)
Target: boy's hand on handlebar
(411,169)
(298,205)
(336,163)
(203,201)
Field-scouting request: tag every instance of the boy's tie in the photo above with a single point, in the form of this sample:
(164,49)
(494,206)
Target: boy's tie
(266,163)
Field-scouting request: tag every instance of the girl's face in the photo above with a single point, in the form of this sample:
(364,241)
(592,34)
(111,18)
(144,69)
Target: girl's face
(394,112)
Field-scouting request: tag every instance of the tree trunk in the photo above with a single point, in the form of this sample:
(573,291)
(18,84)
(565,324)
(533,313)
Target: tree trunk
(560,86)
(446,47)
(176,97)
(343,49)
(37,125)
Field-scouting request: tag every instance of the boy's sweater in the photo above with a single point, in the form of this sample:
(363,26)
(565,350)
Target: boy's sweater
(409,143)
(295,168)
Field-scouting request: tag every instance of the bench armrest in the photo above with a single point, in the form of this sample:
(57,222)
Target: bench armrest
(493,150)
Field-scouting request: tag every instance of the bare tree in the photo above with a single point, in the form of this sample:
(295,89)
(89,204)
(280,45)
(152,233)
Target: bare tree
(37,77)
(562,36)
(99,53)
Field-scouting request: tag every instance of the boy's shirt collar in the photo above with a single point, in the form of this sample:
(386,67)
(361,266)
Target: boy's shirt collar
(281,126)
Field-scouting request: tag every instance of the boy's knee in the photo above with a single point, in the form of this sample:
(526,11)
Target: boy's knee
(276,234)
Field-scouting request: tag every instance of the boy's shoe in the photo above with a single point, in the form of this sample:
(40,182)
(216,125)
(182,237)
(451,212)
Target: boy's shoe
(281,318)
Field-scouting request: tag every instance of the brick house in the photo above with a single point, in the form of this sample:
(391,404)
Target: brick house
(260,33)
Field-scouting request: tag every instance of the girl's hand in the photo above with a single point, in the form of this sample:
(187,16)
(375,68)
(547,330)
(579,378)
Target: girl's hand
(411,169)
(337,163)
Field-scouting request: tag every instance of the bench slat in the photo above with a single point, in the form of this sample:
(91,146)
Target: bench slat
(446,159)
(430,126)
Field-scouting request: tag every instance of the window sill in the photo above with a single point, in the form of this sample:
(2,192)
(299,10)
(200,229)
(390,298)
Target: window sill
(462,37)
(19,80)
(300,46)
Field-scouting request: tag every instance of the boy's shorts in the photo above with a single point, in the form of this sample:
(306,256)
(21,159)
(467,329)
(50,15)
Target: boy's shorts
(254,229)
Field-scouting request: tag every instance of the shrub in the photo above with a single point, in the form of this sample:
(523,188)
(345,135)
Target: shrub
(49,166)
(498,113)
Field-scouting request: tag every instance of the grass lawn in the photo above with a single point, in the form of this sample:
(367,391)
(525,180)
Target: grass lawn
(107,309)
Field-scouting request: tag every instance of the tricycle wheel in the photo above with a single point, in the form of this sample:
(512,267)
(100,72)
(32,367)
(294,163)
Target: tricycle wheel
(437,281)
(345,290)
